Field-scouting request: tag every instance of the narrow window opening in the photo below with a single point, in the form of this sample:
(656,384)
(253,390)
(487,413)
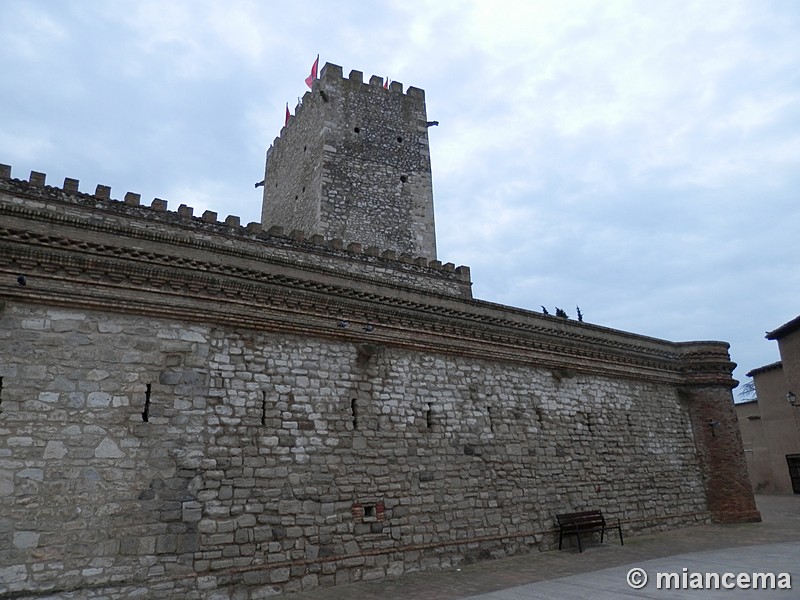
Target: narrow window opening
(403,178)
(399,140)
(428,417)
(489,414)
(354,413)
(369,511)
(146,411)
(263,408)
(1,394)
(589,423)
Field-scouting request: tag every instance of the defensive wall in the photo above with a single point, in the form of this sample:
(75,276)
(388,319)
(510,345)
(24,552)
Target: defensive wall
(195,409)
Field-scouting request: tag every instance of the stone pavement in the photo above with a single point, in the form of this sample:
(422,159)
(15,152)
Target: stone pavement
(600,571)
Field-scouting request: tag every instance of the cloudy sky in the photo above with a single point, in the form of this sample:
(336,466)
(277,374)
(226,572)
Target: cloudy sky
(639,159)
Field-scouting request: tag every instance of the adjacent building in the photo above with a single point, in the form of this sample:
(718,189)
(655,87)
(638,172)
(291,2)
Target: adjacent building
(770,424)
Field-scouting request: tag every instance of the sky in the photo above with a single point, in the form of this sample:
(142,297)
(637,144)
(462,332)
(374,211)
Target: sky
(638,159)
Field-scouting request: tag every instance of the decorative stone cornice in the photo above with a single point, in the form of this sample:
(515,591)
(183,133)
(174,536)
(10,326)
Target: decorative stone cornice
(84,254)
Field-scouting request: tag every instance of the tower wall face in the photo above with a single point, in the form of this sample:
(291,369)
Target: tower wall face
(292,183)
(354,164)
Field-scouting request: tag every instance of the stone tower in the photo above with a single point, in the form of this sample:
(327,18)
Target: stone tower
(354,164)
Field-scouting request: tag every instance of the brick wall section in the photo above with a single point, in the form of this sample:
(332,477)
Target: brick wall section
(721,455)
(717,436)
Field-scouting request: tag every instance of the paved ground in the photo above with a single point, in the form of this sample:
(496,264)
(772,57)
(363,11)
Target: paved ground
(600,571)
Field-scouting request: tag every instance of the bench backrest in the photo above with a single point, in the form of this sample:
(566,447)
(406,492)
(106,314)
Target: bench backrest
(588,518)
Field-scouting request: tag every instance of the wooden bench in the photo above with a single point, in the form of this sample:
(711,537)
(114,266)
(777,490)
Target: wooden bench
(588,521)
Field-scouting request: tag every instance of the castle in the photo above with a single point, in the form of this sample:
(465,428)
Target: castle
(192,408)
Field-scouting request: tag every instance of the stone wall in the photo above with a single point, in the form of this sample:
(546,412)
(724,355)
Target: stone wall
(194,409)
(138,450)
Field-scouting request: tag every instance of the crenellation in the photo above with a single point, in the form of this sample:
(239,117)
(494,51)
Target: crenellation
(102,192)
(416,93)
(185,211)
(331,73)
(464,272)
(232,223)
(376,81)
(37,179)
(356,76)
(5,171)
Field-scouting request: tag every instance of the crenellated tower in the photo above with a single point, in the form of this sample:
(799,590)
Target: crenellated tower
(354,164)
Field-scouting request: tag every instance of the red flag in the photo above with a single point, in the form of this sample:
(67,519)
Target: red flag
(288,114)
(386,83)
(310,79)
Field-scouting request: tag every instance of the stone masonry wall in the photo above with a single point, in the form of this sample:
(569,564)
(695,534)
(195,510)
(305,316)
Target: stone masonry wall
(42,213)
(155,458)
(354,164)
(293,172)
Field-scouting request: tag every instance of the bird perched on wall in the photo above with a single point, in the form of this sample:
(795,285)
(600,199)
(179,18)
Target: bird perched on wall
(431,123)
(260,183)
(544,311)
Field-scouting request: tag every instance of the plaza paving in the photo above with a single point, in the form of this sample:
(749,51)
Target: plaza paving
(600,571)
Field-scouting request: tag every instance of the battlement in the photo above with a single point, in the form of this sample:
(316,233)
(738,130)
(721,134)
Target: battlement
(331,80)
(231,226)
(332,76)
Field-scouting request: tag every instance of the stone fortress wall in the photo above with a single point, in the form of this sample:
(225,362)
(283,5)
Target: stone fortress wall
(194,409)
